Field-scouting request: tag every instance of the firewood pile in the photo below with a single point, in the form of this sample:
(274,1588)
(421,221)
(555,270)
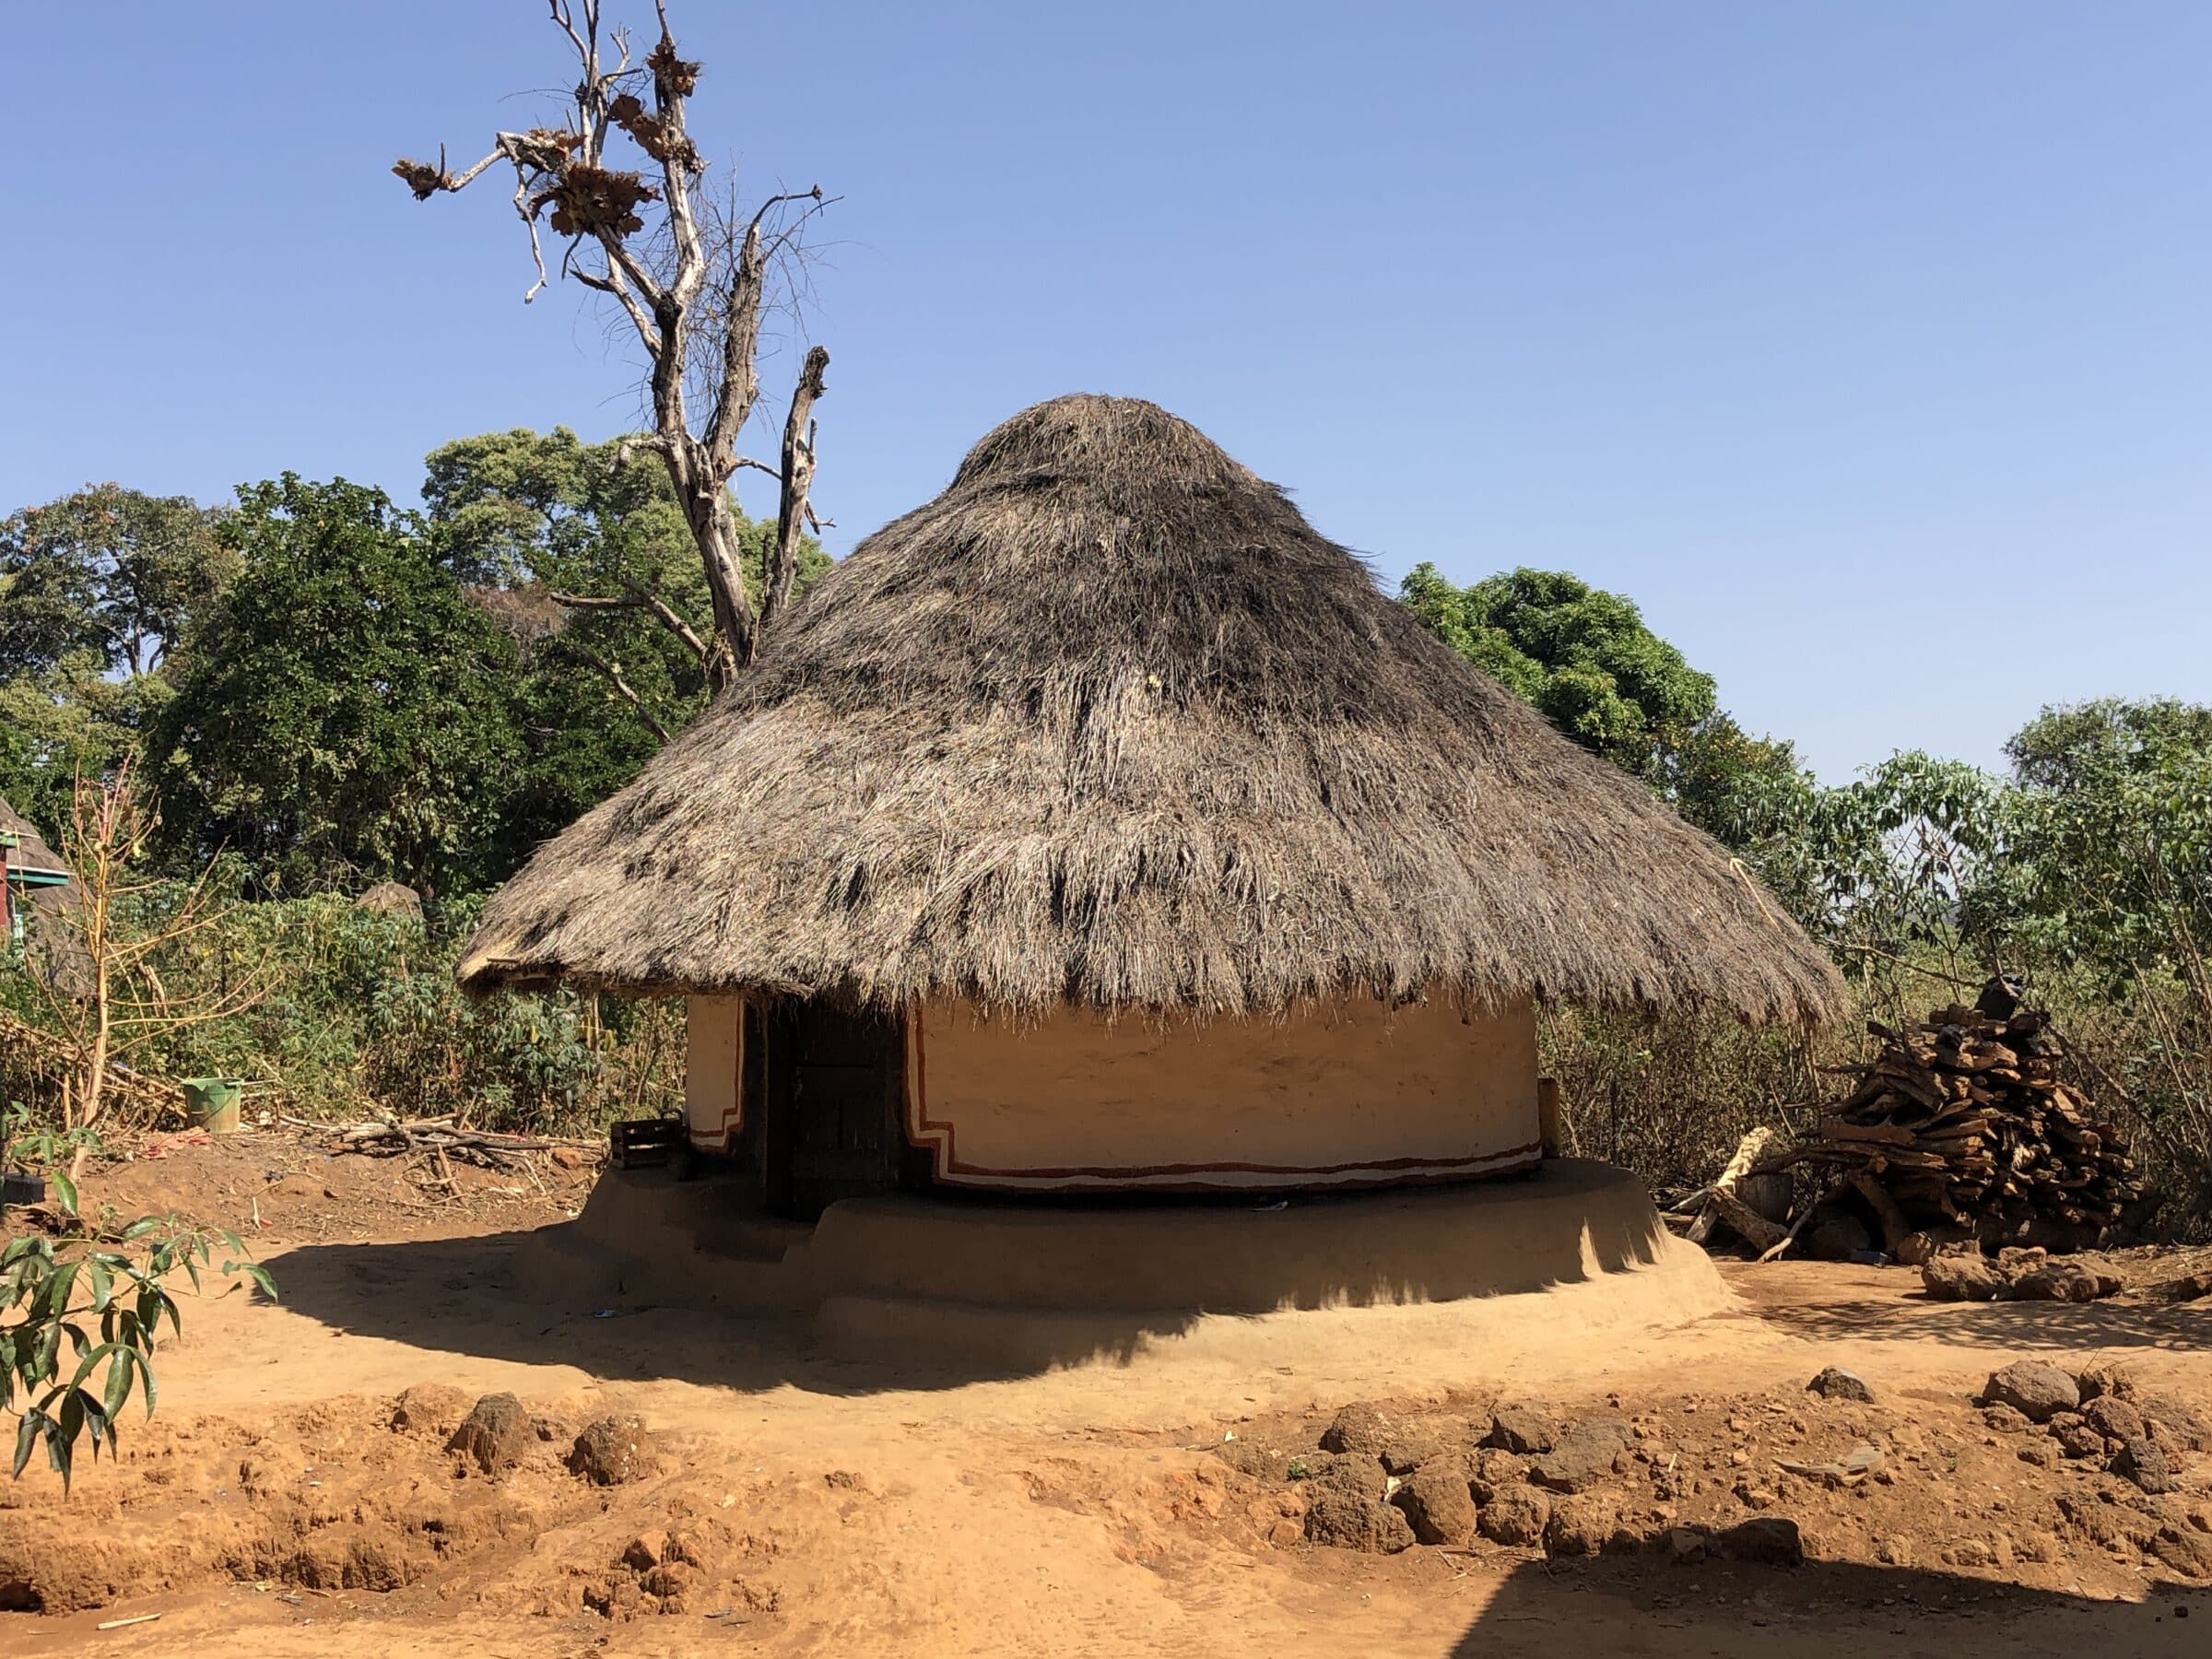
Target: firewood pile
(1964,1118)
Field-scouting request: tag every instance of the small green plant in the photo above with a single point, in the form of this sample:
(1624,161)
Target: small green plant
(104,1293)
(25,1144)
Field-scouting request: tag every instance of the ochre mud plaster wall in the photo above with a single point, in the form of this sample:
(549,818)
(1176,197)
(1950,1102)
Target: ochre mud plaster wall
(1357,1094)
(714,1061)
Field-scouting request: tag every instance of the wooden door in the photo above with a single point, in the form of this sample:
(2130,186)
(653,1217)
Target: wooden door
(835,1087)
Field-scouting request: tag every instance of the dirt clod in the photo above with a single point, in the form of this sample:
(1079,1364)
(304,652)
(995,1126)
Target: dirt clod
(1359,1430)
(1344,1519)
(1516,1516)
(494,1434)
(1581,1525)
(429,1408)
(1524,1428)
(1835,1384)
(611,1451)
(1437,1505)
(1585,1455)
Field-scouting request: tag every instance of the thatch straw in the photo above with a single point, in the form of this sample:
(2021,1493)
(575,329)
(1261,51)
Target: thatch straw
(1107,721)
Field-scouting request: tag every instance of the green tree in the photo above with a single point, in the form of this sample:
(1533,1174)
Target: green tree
(94,589)
(110,570)
(1585,660)
(344,714)
(1583,657)
(585,558)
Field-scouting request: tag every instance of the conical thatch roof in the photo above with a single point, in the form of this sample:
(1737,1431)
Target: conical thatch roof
(1109,722)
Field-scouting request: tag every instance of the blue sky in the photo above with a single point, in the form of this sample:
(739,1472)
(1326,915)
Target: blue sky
(1864,345)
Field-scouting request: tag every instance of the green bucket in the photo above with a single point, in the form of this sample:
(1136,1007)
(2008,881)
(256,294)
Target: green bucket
(212,1102)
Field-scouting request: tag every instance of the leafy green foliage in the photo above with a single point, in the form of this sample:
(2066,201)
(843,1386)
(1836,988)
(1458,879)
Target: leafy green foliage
(95,588)
(109,571)
(1585,660)
(342,715)
(108,1302)
(523,516)
(1583,657)
(68,719)
(103,1293)
(361,1015)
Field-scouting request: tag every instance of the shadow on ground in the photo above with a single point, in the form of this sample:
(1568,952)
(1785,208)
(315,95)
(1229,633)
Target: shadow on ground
(1839,1311)
(627,1292)
(1819,1610)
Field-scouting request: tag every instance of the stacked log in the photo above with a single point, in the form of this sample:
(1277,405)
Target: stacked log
(1963,1120)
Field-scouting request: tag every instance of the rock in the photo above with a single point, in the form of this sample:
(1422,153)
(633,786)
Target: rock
(1835,1384)
(1686,1544)
(1579,1526)
(2114,1418)
(2036,1389)
(1525,1429)
(671,1581)
(2104,1378)
(1495,1472)
(646,1550)
(2182,1424)
(1343,1519)
(429,1408)
(1362,1476)
(2004,1419)
(2067,1281)
(2144,1463)
(1516,1516)
(2186,1550)
(1582,1457)
(611,1451)
(1360,1431)
(1973,1552)
(566,1157)
(1249,1457)
(1915,1250)
(1437,1506)
(494,1434)
(1407,1453)
(2039,1453)
(2078,1440)
(1770,1540)
(1966,1276)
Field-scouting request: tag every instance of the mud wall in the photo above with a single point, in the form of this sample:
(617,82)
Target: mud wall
(714,1062)
(1353,1094)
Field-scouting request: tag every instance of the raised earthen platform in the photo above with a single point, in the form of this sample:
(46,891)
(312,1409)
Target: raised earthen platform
(1019,1287)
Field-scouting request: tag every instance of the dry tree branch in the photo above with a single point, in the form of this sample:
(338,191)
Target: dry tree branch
(612,672)
(797,478)
(665,286)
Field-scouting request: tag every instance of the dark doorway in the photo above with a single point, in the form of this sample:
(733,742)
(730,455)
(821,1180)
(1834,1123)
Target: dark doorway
(834,1090)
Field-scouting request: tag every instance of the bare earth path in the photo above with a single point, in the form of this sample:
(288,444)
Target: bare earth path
(273,1508)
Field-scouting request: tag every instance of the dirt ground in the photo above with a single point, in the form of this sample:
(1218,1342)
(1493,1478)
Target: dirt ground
(295,1492)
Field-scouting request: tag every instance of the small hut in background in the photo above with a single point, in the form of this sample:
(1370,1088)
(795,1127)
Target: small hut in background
(1099,827)
(36,900)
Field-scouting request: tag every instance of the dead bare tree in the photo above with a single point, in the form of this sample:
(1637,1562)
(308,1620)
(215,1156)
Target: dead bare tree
(694,280)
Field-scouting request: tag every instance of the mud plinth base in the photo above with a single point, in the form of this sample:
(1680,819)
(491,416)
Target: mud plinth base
(1022,1287)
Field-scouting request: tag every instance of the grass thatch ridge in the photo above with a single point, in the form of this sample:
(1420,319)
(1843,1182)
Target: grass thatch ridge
(1109,722)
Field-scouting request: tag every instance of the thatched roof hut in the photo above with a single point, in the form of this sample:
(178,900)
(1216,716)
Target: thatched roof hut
(41,893)
(1109,723)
